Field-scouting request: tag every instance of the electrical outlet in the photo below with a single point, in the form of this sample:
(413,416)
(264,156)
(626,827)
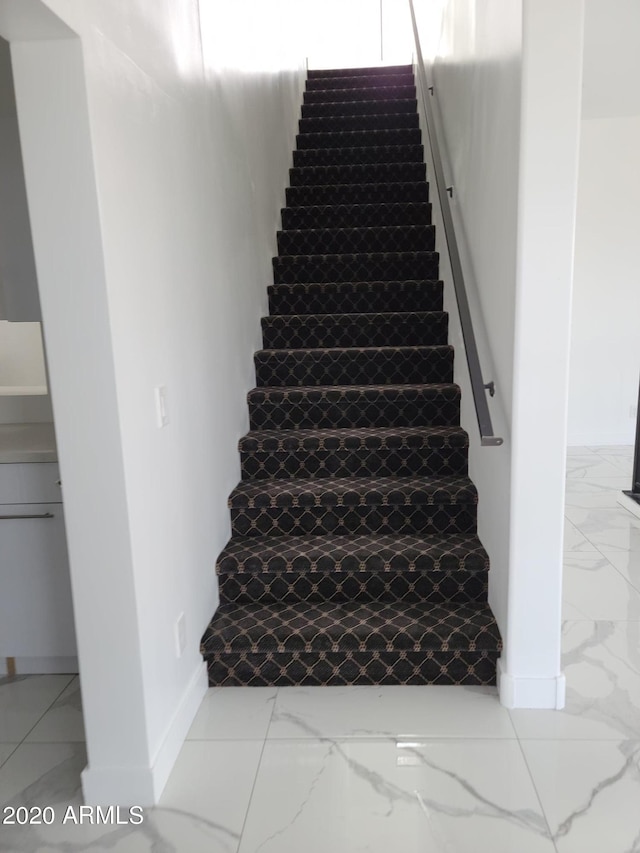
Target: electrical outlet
(162,415)
(633,410)
(181,635)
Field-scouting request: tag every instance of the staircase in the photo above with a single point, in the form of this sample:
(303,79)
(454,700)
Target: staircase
(354,557)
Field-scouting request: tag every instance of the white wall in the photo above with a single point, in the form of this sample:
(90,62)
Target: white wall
(605,348)
(355,33)
(605,357)
(174,202)
(18,283)
(611,59)
(547,197)
(507,80)
(21,355)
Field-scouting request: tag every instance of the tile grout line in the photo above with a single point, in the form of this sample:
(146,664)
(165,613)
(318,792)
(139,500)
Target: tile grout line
(47,709)
(258,766)
(537,793)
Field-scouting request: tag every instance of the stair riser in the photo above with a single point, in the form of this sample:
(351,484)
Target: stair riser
(334,669)
(293,409)
(360,81)
(424,520)
(358,139)
(278,368)
(358,108)
(349,156)
(385,193)
(355,298)
(370,330)
(280,465)
(393,121)
(340,241)
(405,92)
(368,173)
(459,586)
(356,216)
(368,71)
(337,669)
(363,82)
(389,266)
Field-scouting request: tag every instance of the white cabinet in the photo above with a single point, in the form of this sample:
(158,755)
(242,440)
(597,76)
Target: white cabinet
(36,612)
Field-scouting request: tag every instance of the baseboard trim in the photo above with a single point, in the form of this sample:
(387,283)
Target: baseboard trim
(178,729)
(526,692)
(42,666)
(142,786)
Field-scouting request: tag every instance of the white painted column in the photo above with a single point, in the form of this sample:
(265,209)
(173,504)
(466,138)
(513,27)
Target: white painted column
(51,96)
(530,671)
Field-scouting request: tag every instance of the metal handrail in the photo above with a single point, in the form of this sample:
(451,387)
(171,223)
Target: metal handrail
(478,385)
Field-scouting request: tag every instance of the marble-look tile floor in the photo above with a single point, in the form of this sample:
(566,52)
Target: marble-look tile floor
(434,769)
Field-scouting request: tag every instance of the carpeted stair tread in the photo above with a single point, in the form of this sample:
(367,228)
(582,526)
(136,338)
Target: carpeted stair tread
(356,215)
(323,241)
(355,297)
(365,107)
(405,92)
(379,121)
(386,192)
(354,365)
(361,82)
(357,173)
(358,452)
(263,569)
(354,492)
(358,138)
(382,554)
(355,266)
(354,406)
(367,71)
(364,154)
(306,331)
(374,626)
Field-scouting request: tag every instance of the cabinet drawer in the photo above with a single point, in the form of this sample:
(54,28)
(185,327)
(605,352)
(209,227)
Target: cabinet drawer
(29,482)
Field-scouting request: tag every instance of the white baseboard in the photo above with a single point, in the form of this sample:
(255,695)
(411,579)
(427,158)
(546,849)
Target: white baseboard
(540,693)
(42,666)
(142,786)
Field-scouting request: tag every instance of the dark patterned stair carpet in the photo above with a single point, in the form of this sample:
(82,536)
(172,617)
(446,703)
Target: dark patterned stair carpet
(356,108)
(357,173)
(354,557)
(329,241)
(364,154)
(382,121)
(359,138)
(353,406)
(325,84)
(355,643)
(381,193)
(382,94)
(355,297)
(295,331)
(356,216)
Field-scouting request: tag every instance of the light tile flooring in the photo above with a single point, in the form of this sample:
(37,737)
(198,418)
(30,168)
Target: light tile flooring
(385,769)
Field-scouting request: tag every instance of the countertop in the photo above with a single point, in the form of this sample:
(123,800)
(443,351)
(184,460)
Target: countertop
(27,443)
